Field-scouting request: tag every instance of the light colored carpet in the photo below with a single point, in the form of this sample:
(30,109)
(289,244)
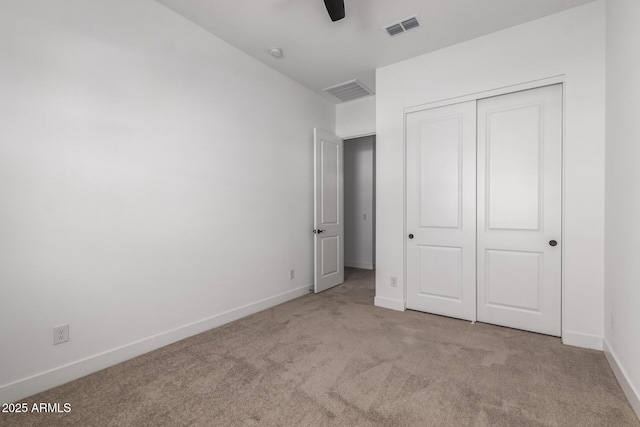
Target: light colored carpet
(335,359)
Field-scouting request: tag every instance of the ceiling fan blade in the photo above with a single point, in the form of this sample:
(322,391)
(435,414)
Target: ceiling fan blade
(335,9)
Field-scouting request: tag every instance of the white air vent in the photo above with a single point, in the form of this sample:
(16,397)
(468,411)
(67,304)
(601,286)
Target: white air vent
(348,90)
(402,26)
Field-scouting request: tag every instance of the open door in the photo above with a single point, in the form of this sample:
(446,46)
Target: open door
(328,211)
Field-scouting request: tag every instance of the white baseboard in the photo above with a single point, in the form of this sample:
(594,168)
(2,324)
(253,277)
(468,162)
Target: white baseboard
(40,382)
(362,265)
(632,393)
(578,339)
(389,303)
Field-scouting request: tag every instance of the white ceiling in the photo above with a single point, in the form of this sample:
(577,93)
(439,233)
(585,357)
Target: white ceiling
(319,53)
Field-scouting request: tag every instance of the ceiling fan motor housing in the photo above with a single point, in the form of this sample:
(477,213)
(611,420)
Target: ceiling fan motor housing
(335,9)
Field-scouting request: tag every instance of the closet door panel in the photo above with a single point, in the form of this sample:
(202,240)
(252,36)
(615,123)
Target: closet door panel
(519,210)
(441,223)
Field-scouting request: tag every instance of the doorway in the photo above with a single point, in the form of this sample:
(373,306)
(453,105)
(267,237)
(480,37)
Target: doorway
(344,207)
(359,202)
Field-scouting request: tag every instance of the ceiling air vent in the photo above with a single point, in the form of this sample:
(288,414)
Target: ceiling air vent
(410,23)
(348,91)
(395,29)
(402,26)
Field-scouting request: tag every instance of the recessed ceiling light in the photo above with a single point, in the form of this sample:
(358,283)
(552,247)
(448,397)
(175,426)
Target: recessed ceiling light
(276,52)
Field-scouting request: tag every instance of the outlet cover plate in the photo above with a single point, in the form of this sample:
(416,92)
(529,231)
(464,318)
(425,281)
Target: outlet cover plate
(60,334)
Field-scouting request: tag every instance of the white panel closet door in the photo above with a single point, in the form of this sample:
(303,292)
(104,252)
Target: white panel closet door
(441,213)
(519,209)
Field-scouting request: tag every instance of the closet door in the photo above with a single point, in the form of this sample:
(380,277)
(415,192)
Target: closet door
(441,213)
(519,210)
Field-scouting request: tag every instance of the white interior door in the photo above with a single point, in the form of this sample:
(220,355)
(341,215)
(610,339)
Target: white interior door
(328,212)
(441,210)
(519,209)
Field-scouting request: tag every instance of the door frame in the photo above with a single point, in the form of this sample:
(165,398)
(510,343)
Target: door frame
(534,84)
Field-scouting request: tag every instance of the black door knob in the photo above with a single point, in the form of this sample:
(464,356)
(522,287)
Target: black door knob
(411,236)
(553,243)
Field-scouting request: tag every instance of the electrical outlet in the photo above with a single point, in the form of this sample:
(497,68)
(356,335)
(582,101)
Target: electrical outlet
(394,281)
(60,334)
(364,217)
(613,325)
(291,274)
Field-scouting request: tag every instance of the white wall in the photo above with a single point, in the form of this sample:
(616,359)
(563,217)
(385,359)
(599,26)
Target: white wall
(622,230)
(356,118)
(359,218)
(155,182)
(572,44)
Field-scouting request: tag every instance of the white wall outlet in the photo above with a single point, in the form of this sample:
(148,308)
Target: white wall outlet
(364,217)
(613,324)
(60,334)
(394,281)
(292,274)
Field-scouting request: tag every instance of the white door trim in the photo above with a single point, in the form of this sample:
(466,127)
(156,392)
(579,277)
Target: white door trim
(357,135)
(533,84)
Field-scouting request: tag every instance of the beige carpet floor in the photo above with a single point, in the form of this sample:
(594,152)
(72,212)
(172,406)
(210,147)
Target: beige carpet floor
(335,359)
